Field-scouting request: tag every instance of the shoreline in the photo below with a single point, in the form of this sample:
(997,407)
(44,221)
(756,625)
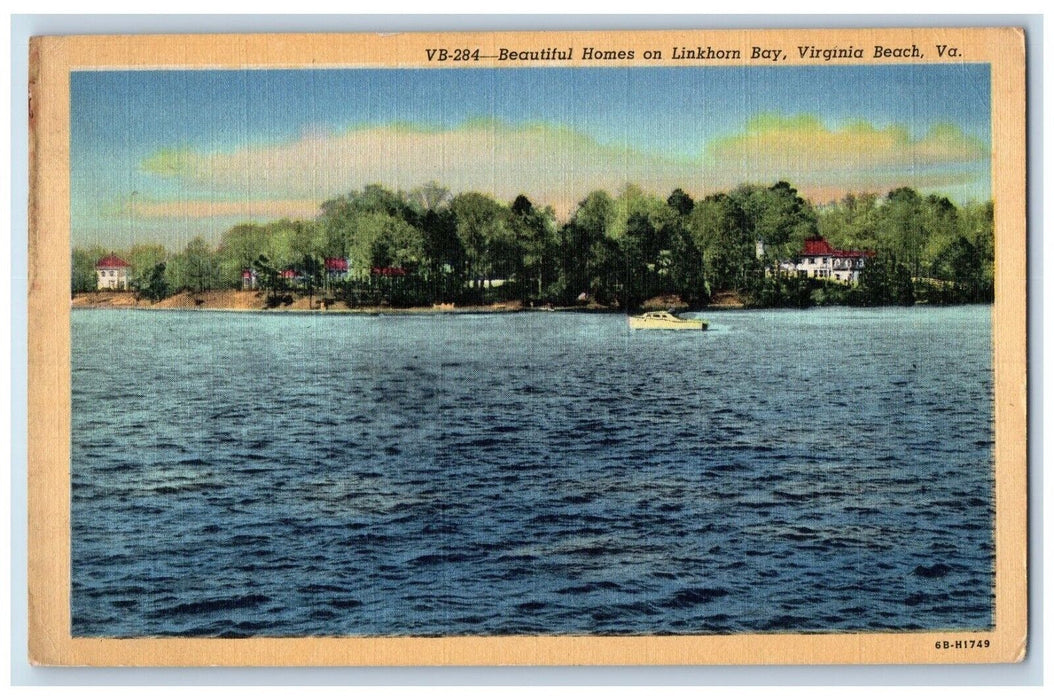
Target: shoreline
(363,311)
(247,302)
(239,301)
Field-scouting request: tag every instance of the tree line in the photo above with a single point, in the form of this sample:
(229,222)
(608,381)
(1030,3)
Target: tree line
(614,250)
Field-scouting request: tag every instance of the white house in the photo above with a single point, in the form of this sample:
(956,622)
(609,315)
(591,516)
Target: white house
(112,273)
(819,259)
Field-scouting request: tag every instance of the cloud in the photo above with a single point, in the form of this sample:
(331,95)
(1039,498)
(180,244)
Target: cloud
(549,163)
(558,165)
(264,209)
(802,147)
(170,162)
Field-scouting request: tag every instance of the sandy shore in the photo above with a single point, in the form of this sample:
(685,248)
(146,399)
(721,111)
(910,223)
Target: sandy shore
(725,300)
(239,300)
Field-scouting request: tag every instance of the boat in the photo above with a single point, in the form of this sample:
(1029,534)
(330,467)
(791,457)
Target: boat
(666,320)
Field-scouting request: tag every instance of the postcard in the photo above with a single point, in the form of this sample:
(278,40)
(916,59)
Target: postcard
(666,347)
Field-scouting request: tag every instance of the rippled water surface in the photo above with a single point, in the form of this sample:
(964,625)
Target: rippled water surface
(280,474)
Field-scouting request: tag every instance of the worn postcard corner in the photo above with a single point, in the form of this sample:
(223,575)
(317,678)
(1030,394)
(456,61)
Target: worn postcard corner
(666,347)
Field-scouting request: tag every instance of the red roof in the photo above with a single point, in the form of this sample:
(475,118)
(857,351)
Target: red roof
(111,260)
(820,246)
(336,264)
(289,273)
(817,246)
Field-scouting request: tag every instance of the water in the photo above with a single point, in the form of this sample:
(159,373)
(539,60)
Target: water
(534,473)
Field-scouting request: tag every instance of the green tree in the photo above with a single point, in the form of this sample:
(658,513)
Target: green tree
(683,270)
(619,250)
(780,218)
(720,231)
(977,225)
(337,220)
(380,198)
(640,248)
(82,272)
(631,202)
(196,268)
(940,223)
(144,259)
(311,270)
(156,286)
(271,279)
(443,253)
(482,228)
(585,255)
(851,223)
(239,248)
(961,264)
(395,244)
(901,229)
(280,242)
(308,238)
(680,202)
(535,233)
(884,280)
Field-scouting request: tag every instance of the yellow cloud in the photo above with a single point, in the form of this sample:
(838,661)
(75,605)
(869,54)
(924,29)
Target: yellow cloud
(801,145)
(554,165)
(170,162)
(558,165)
(203,209)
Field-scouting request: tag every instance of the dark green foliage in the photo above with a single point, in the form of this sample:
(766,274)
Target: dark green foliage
(680,202)
(536,251)
(778,291)
(780,218)
(144,260)
(885,281)
(961,267)
(617,251)
(156,287)
(83,277)
(271,280)
(197,268)
(311,270)
(718,225)
(522,206)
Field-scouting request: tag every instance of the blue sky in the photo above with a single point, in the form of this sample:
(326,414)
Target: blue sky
(166,155)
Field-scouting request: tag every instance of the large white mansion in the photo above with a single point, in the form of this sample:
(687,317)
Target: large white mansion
(819,259)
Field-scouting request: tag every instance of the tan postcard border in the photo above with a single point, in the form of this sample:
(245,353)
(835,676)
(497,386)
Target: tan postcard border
(53,58)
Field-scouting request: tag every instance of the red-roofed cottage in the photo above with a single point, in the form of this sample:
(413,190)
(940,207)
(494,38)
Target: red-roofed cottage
(112,273)
(336,268)
(819,259)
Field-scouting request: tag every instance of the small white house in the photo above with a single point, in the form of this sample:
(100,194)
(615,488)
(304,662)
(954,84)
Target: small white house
(112,273)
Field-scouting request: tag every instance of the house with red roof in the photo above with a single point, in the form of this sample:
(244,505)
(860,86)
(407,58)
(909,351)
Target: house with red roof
(291,276)
(112,273)
(819,259)
(336,268)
